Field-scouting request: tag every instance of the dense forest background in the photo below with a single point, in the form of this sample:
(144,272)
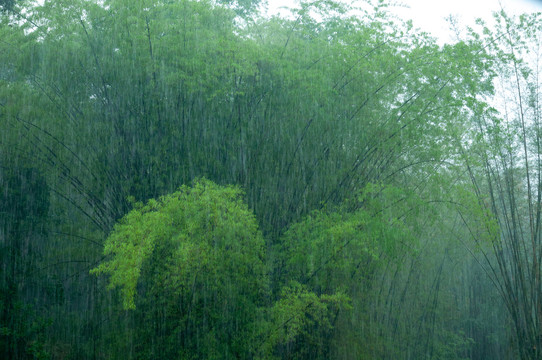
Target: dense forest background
(186,179)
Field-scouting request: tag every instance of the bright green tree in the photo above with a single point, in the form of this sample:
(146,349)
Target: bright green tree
(199,254)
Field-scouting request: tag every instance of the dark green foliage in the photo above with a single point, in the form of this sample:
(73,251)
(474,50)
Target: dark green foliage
(24,205)
(7,5)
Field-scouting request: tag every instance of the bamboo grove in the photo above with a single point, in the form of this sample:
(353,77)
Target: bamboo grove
(186,179)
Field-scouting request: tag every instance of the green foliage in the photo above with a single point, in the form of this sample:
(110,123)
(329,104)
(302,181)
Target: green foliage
(301,321)
(7,5)
(330,248)
(211,231)
(347,133)
(451,345)
(23,335)
(199,250)
(24,208)
(340,252)
(481,222)
(505,172)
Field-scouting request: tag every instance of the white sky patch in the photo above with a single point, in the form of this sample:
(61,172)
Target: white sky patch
(431,15)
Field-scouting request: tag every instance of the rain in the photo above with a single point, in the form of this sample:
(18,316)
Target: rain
(206,179)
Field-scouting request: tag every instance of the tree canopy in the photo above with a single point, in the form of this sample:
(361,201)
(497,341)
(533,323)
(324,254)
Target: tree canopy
(196,180)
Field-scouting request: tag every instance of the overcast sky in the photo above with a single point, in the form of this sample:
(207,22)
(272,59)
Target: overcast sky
(430,15)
